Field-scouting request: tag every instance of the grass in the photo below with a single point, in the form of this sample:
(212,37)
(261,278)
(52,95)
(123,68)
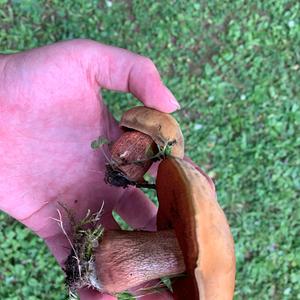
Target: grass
(234,67)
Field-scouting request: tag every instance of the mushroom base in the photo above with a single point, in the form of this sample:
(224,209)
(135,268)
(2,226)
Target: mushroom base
(81,273)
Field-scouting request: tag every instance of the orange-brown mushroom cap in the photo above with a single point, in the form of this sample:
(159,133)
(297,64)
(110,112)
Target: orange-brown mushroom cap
(162,127)
(187,203)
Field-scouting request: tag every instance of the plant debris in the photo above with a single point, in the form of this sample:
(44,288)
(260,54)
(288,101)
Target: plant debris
(80,265)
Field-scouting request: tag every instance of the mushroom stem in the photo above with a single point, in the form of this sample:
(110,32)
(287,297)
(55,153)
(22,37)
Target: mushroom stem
(132,154)
(125,259)
(131,157)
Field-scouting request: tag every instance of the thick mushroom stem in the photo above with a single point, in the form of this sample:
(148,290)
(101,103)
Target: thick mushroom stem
(125,259)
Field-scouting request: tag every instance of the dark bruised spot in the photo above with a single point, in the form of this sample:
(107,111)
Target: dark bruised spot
(116,178)
(75,201)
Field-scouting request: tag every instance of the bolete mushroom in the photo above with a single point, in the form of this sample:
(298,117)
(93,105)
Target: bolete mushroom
(148,135)
(193,240)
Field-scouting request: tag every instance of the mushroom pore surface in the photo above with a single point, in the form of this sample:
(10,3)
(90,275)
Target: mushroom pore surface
(188,204)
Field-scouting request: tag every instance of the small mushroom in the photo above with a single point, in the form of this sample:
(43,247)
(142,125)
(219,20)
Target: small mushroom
(147,137)
(193,240)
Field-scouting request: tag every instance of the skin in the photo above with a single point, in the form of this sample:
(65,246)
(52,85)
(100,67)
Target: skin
(50,111)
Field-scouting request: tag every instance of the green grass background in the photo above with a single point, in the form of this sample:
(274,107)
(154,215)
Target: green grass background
(234,66)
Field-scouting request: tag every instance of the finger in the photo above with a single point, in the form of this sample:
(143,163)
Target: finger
(89,294)
(108,221)
(157,296)
(121,70)
(153,170)
(154,295)
(136,209)
(152,290)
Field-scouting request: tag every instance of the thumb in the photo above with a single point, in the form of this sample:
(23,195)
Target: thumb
(137,210)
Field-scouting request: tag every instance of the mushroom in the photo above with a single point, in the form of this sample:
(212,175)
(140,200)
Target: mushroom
(147,137)
(193,240)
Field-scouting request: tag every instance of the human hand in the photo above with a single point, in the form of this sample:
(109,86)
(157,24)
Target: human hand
(51,110)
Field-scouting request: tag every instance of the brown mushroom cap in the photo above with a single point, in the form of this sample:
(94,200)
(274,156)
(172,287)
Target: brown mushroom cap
(187,203)
(162,127)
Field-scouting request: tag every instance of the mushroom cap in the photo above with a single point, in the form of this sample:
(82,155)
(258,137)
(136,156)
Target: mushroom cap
(187,203)
(162,127)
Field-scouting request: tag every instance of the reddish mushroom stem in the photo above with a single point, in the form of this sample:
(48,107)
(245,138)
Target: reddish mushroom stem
(125,259)
(132,155)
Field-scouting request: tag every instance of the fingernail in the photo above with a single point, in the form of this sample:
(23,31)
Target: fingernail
(174,102)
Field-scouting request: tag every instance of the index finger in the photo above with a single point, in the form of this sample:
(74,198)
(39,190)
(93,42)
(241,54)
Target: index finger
(121,70)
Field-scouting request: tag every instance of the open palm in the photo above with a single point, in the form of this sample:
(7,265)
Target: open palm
(50,111)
